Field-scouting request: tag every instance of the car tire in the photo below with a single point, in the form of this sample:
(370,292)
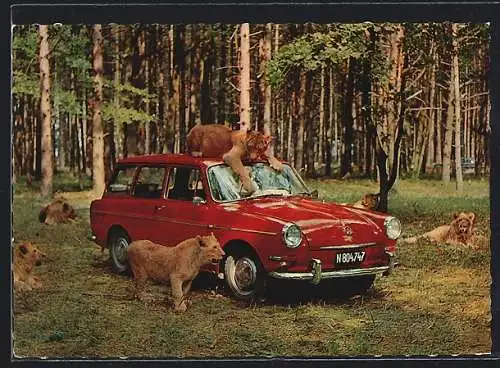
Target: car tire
(244,275)
(119,242)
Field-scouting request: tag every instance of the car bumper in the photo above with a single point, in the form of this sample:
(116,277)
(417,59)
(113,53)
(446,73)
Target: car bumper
(316,274)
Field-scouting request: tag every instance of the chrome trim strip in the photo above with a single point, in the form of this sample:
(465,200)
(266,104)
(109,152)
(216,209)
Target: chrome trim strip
(347,246)
(166,219)
(245,230)
(329,274)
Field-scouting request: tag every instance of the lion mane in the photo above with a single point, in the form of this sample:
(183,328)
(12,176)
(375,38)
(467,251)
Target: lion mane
(459,232)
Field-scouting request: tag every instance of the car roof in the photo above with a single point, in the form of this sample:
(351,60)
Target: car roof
(170,158)
(177,159)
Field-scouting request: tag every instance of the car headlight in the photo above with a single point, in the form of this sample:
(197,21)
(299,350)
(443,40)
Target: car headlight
(392,227)
(292,236)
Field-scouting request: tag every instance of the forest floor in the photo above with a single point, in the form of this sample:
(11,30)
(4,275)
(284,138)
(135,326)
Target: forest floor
(436,302)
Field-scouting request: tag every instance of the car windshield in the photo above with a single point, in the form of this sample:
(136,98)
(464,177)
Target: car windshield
(225,185)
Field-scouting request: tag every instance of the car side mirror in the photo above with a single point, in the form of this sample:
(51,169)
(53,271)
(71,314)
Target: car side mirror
(314,194)
(198,200)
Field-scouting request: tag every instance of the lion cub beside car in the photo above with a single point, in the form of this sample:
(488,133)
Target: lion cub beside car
(26,256)
(459,232)
(179,264)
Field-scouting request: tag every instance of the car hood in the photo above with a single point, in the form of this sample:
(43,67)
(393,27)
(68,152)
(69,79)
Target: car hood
(323,224)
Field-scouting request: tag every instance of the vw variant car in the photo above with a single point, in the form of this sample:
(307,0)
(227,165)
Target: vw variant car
(281,231)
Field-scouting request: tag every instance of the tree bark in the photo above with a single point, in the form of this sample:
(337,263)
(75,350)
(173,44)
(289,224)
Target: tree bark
(299,161)
(456,88)
(448,138)
(46,188)
(347,117)
(245,119)
(432,111)
(98,180)
(388,155)
(321,134)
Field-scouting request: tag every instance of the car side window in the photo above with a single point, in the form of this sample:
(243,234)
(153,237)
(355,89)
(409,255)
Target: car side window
(149,182)
(121,183)
(184,184)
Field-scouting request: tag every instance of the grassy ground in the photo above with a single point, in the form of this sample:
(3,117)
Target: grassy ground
(436,302)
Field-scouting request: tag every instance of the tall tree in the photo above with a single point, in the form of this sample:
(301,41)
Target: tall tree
(245,121)
(390,133)
(45,112)
(98,182)
(456,82)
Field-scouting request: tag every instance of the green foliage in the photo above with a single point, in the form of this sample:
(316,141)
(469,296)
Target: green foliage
(66,101)
(311,51)
(124,114)
(24,47)
(25,84)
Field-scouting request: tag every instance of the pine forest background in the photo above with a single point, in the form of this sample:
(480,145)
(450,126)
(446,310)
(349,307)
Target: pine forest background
(364,100)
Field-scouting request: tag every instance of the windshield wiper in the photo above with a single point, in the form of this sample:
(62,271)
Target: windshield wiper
(279,194)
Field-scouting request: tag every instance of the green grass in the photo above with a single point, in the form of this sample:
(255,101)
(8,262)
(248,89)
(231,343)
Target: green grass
(436,301)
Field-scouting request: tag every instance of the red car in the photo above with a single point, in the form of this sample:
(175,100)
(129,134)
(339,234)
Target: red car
(281,231)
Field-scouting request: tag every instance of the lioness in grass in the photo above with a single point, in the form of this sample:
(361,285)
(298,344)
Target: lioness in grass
(179,264)
(59,210)
(25,257)
(368,202)
(459,232)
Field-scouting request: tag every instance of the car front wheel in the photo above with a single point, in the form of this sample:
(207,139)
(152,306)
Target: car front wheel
(244,275)
(119,242)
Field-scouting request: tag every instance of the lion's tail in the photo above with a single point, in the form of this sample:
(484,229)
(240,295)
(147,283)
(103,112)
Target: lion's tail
(43,214)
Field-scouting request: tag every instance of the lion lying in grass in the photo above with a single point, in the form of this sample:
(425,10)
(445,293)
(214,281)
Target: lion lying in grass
(25,257)
(216,140)
(179,264)
(59,210)
(368,202)
(459,232)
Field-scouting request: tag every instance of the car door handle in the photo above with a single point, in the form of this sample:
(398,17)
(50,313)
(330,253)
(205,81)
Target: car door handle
(157,208)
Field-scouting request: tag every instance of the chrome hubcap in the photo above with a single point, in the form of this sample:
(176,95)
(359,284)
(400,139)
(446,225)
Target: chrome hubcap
(245,273)
(121,250)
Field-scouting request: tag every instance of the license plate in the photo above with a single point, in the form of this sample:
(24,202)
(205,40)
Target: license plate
(346,258)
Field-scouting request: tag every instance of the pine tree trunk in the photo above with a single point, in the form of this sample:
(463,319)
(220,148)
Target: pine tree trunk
(439,129)
(448,139)
(178,83)
(329,133)
(456,88)
(388,158)
(347,118)
(245,118)
(265,88)
(432,112)
(310,127)
(291,118)
(321,118)
(299,162)
(118,140)
(46,188)
(98,179)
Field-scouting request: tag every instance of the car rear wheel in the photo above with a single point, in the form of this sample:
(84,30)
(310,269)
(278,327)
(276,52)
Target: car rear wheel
(244,275)
(119,242)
